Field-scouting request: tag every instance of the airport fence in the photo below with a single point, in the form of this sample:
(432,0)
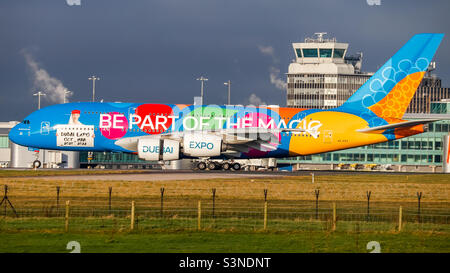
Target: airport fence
(94,207)
(190,213)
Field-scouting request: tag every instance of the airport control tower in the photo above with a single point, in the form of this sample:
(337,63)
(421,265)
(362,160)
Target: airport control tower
(322,76)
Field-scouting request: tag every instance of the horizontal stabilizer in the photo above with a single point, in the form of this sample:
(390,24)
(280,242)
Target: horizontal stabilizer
(397,125)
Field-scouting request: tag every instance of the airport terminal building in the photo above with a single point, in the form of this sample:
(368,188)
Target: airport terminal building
(323,76)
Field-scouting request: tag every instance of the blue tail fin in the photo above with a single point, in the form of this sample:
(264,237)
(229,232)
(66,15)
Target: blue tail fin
(389,91)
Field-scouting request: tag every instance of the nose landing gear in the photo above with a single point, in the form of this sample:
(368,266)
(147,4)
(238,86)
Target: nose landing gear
(36,164)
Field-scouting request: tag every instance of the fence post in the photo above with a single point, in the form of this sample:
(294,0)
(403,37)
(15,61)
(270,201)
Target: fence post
(334,217)
(369,193)
(57,199)
(109,201)
(400,215)
(213,202)
(161,212)
(419,197)
(6,200)
(312,178)
(265,215)
(317,192)
(132,216)
(67,216)
(199,215)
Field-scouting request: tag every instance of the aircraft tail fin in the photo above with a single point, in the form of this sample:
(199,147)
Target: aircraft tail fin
(389,91)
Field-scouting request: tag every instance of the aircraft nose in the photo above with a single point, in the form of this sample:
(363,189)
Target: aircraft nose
(14,135)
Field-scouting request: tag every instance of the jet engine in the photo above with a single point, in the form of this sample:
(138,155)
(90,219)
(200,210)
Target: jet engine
(202,145)
(155,149)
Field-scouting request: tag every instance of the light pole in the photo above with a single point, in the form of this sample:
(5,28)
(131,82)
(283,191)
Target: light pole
(66,92)
(202,79)
(39,94)
(228,83)
(93,79)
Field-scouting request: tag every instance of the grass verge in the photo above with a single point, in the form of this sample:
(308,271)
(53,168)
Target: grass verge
(219,242)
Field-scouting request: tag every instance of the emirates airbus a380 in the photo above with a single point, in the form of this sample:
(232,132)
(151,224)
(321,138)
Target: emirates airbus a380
(373,114)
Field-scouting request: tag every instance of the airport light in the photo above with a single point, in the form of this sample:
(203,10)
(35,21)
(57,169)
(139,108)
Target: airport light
(39,94)
(202,79)
(228,83)
(93,79)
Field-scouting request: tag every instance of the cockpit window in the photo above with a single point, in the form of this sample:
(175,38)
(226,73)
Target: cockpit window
(26,121)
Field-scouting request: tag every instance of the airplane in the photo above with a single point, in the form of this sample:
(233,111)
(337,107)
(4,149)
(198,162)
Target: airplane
(164,132)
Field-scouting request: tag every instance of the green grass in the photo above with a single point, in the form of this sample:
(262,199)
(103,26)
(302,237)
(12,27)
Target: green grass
(239,210)
(223,235)
(218,242)
(40,172)
(145,225)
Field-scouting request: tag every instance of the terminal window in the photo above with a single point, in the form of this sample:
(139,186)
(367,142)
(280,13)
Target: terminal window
(338,53)
(310,52)
(4,142)
(325,52)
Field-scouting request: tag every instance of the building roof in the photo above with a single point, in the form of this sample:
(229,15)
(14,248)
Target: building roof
(8,124)
(426,116)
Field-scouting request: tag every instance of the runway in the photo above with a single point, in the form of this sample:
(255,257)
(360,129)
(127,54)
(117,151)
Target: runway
(166,175)
(163,176)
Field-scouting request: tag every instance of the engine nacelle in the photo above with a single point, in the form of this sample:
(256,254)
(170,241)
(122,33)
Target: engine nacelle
(155,149)
(202,145)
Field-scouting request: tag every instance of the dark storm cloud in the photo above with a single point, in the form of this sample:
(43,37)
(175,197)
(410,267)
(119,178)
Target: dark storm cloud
(152,51)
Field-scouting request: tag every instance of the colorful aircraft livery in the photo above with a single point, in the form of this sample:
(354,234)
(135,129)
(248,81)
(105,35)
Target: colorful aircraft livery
(173,131)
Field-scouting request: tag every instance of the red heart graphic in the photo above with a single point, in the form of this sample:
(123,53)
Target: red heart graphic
(153,111)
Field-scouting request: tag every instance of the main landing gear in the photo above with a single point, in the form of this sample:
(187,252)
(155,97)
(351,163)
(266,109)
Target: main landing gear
(36,164)
(211,165)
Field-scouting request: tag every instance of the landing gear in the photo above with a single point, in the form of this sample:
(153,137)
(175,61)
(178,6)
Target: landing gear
(212,165)
(36,164)
(226,166)
(201,166)
(236,166)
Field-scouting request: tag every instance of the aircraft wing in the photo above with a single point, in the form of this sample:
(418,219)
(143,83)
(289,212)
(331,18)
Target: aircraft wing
(397,125)
(239,139)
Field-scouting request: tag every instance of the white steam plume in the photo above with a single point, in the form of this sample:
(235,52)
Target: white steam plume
(255,100)
(42,81)
(273,70)
(275,79)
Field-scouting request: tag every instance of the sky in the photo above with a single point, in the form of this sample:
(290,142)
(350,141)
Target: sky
(152,51)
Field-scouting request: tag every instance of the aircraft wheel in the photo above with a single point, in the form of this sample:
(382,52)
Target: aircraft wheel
(36,164)
(201,166)
(226,166)
(236,166)
(212,165)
